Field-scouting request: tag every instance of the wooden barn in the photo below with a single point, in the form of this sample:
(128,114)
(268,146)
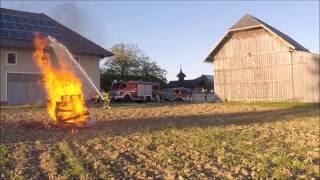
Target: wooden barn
(256,62)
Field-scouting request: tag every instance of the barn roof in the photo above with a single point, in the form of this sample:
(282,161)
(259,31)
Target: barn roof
(248,22)
(17,28)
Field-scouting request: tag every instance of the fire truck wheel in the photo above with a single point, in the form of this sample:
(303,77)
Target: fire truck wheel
(127,98)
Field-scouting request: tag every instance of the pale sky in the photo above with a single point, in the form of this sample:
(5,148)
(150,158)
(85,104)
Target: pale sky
(176,32)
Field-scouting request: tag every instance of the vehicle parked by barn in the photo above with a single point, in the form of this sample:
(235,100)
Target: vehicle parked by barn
(133,91)
(176,94)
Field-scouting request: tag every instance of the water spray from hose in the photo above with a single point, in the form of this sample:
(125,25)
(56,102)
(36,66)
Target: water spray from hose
(58,47)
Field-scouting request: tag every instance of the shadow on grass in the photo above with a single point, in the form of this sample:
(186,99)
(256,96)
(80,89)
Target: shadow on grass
(217,119)
(33,131)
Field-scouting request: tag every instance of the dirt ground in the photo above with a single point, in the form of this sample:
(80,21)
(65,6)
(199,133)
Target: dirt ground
(165,141)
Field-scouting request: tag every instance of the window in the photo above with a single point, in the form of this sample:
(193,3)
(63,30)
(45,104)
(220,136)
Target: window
(77,58)
(12,58)
(123,85)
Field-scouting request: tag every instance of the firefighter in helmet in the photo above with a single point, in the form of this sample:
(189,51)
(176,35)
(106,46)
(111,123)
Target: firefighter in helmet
(97,98)
(106,100)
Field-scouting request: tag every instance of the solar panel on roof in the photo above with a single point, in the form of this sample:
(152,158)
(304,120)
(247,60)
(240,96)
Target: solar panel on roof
(20,26)
(11,25)
(33,28)
(22,34)
(29,35)
(16,19)
(3,25)
(34,21)
(54,30)
(28,27)
(44,29)
(24,20)
(36,28)
(4,33)
(13,34)
(7,17)
(49,23)
(41,22)
(43,34)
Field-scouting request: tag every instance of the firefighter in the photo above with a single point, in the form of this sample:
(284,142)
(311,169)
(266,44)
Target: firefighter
(97,98)
(106,100)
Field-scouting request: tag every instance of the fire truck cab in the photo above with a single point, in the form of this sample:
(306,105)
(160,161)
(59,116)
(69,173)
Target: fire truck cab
(133,90)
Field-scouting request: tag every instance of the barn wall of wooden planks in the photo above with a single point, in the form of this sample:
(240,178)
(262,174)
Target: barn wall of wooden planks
(254,65)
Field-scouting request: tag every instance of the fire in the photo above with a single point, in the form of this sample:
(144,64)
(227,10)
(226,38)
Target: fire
(63,88)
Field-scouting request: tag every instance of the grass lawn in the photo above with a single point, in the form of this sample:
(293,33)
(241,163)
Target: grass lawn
(166,141)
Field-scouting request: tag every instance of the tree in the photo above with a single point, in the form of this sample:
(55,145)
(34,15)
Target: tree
(130,63)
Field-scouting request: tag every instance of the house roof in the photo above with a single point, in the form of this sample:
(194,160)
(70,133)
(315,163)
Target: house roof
(17,28)
(249,22)
(190,83)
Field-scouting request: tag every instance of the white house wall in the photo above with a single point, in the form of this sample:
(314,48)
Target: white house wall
(25,64)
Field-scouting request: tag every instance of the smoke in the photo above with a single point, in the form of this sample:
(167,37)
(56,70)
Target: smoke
(70,15)
(79,20)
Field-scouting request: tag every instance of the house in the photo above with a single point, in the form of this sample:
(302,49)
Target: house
(20,77)
(196,85)
(256,62)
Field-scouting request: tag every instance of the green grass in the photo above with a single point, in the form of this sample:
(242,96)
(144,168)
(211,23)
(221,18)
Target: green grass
(4,161)
(73,166)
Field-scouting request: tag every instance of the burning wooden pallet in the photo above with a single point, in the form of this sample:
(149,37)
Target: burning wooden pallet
(70,111)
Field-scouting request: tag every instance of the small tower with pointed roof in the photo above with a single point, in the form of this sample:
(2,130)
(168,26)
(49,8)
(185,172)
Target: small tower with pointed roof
(181,75)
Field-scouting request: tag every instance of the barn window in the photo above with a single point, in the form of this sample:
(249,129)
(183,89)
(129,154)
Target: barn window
(12,58)
(77,58)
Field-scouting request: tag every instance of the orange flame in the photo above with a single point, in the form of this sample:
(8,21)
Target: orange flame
(59,83)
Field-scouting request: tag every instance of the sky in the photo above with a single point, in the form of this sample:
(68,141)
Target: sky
(176,32)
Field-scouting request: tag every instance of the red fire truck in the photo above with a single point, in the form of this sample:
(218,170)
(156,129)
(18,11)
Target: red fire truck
(133,90)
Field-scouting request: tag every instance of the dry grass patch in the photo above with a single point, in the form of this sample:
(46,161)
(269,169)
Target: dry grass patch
(166,141)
